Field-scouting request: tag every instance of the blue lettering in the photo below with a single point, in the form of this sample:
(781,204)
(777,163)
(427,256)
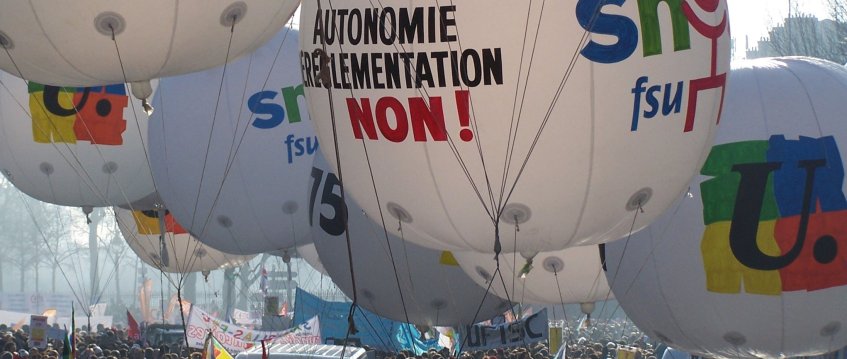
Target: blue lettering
(652,101)
(590,17)
(275,112)
(652,95)
(637,91)
(675,104)
(300,146)
(310,147)
(289,140)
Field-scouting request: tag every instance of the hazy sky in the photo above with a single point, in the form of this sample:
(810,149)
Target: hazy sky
(752,18)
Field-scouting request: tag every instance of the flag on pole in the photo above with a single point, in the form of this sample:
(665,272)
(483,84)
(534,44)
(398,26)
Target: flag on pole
(133,332)
(66,346)
(214,350)
(69,344)
(72,333)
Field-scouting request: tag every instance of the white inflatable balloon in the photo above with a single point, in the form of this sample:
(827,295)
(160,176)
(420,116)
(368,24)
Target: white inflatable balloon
(179,253)
(70,43)
(235,172)
(73,146)
(310,254)
(754,262)
(432,287)
(563,117)
(569,276)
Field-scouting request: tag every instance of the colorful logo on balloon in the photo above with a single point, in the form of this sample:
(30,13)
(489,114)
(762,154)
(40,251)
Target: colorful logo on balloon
(656,96)
(775,215)
(147,223)
(71,114)
(270,114)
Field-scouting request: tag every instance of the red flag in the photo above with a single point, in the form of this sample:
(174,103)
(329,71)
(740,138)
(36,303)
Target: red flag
(133,333)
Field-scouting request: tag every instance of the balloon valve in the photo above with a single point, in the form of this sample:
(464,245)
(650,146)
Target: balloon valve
(148,109)
(6,41)
(527,267)
(87,210)
(639,199)
(142,90)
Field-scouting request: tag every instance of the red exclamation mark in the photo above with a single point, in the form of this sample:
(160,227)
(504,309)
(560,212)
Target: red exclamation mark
(463,98)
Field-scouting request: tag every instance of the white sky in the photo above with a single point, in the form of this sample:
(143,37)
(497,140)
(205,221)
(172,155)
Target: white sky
(752,18)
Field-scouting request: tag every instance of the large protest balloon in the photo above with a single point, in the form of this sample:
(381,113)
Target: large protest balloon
(569,276)
(73,146)
(753,262)
(90,43)
(234,168)
(394,277)
(176,251)
(564,117)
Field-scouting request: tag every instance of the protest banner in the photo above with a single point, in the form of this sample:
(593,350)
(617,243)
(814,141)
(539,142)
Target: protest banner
(517,333)
(237,338)
(38,331)
(306,333)
(243,317)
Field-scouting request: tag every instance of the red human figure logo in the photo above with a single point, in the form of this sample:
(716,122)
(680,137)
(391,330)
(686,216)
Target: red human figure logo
(715,80)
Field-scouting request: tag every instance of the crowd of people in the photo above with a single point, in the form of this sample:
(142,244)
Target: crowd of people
(617,339)
(104,343)
(611,340)
(614,339)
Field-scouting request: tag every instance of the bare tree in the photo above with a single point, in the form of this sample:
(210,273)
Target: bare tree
(838,12)
(26,229)
(802,34)
(116,250)
(61,256)
(34,234)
